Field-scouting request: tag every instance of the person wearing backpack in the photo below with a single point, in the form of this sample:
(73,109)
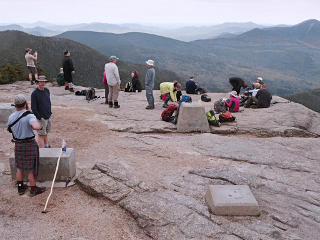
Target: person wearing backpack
(233,102)
(170,90)
(21,124)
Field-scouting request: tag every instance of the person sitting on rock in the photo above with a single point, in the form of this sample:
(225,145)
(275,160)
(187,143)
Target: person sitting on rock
(261,82)
(237,83)
(191,86)
(233,102)
(60,78)
(251,94)
(136,85)
(261,100)
(170,90)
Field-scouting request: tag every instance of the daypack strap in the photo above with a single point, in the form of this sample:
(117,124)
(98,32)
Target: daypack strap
(17,120)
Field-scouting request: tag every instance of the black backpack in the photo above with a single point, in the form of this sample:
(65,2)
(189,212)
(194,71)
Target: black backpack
(205,98)
(90,94)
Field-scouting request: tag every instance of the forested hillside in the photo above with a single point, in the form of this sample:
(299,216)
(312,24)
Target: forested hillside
(89,64)
(309,99)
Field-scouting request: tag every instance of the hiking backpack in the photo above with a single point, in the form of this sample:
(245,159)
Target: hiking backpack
(90,94)
(205,98)
(226,117)
(128,87)
(219,106)
(185,98)
(212,119)
(166,115)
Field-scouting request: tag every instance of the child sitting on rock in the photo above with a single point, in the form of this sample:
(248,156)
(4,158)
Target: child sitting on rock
(233,102)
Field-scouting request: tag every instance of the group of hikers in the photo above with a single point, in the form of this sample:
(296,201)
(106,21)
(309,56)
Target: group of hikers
(255,96)
(23,122)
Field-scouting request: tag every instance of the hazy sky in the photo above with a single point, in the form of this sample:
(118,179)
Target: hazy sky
(159,11)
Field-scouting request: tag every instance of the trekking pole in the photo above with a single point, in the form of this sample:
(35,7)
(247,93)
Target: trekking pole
(54,178)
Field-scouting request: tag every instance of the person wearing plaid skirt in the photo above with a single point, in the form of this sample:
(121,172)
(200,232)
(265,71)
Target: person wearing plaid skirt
(26,148)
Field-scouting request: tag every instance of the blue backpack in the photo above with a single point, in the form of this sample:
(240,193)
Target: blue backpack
(185,98)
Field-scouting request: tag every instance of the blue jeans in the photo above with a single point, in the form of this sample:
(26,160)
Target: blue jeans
(149,95)
(167,99)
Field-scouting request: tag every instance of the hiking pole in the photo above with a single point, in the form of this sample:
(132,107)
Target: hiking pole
(54,178)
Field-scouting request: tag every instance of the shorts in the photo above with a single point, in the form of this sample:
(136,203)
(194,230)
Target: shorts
(32,70)
(46,126)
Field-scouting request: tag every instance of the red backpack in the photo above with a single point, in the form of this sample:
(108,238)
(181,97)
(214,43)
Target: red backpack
(166,115)
(226,117)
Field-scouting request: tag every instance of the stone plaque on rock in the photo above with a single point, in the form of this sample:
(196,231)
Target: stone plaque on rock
(5,110)
(48,162)
(192,118)
(232,200)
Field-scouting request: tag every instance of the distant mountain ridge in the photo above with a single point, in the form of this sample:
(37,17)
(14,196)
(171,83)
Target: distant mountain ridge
(89,64)
(189,33)
(287,57)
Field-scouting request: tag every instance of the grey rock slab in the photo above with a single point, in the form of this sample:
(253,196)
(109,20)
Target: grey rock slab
(5,110)
(192,118)
(48,158)
(176,209)
(232,200)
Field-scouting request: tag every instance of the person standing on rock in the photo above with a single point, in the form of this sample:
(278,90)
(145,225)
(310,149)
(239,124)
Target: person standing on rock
(26,151)
(149,83)
(68,70)
(30,64)
(237,83)
(41,108)
(113,80)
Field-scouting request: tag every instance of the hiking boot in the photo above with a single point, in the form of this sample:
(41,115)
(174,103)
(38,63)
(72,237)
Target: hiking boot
(149,107)
(116,104)
(71,90)
(38,190)
(22,188)
(110,104)
(66,88)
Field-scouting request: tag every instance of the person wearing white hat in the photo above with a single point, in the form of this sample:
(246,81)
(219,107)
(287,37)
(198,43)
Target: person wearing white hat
(41,108)
(113,81)
(261,82)
(233,103)
(149,83)
(21,124)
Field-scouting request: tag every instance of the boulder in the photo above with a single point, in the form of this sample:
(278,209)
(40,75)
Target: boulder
(48,162)
(5,110)
(192,118)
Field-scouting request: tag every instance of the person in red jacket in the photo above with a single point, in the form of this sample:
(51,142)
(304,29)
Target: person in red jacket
(106,87)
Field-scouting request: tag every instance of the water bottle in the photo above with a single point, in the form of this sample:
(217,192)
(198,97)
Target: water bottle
(64,146)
